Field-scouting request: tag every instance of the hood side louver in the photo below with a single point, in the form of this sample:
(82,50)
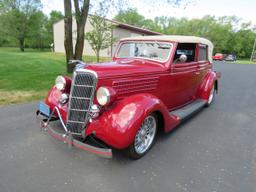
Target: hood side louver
(138,85)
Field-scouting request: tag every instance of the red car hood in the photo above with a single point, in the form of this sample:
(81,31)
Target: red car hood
(125,67)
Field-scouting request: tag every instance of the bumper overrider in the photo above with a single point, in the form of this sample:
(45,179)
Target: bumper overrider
(46,117)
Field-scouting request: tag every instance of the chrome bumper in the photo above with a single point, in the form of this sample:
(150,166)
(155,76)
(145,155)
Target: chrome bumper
(67,137)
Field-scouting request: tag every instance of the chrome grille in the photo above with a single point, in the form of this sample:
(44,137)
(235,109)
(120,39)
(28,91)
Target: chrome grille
(81,97)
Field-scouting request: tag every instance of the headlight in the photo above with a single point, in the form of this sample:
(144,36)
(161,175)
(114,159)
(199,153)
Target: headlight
(103,96)
(60,83)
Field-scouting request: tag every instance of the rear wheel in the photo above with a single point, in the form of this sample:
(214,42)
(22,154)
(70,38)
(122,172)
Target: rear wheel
(211,96)
(145,137)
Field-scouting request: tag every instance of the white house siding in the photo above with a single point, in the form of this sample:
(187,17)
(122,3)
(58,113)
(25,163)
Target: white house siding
(118,33)
(58,36)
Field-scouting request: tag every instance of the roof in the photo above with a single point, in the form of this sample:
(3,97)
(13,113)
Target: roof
(135,28)
(127,26)
(176,38)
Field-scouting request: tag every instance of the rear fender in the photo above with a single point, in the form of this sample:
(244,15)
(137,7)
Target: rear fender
(118,125)
(209,81)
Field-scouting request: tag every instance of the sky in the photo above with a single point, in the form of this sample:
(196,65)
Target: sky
(244,9)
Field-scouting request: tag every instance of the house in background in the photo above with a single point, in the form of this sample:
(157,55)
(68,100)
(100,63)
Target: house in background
(120,31)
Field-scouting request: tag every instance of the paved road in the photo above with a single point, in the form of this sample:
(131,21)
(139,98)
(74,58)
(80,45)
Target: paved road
(214,151)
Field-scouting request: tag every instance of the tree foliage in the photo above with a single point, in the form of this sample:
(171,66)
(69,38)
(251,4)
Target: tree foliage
(100,37)
(18,18)
(228,33)
(130,16)
(23,23)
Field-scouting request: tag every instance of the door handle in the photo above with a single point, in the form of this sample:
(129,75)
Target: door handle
(197,73)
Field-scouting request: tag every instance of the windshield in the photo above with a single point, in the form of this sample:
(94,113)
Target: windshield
(150,50)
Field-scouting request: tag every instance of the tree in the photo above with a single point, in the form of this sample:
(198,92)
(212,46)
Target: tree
(243,43)
(81,13)
(24,23)
(17,18)
(37,35)
(68,42)
(130,16)
(101,36)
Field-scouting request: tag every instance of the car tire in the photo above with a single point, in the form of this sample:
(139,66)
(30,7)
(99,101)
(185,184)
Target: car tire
(144,138)
(211,96)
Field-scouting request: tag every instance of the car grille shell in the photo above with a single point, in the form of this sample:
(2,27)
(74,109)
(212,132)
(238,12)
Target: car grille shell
(80,100)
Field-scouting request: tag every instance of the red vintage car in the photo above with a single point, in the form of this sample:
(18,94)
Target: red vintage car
(218,57)
(154,83)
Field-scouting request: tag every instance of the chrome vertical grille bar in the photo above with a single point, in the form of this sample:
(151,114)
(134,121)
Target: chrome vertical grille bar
(81,98)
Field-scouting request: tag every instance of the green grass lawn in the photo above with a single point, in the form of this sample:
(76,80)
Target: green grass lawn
(28,76)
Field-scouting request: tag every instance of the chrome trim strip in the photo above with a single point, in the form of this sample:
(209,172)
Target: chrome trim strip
(80,98)
(71,91)
(61,120)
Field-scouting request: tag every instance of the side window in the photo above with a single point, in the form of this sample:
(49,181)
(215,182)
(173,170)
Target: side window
(187,49)
(202,55)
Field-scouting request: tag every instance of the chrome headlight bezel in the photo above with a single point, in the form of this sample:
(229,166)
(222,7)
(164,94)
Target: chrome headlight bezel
(60,83)
(103,96)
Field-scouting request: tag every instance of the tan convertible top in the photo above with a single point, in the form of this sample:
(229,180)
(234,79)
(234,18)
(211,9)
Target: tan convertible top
(175,38)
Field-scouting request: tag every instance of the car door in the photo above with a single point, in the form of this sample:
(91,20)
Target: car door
(204,64)
(184,76)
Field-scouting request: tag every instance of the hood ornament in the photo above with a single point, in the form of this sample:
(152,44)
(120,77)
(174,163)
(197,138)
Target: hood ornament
(78,64)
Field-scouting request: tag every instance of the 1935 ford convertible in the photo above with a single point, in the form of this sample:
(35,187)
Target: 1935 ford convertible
(153,83)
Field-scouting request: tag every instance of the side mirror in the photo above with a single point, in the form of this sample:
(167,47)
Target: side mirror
(183,58)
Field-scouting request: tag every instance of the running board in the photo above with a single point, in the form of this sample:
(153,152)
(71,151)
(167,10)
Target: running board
(189,110)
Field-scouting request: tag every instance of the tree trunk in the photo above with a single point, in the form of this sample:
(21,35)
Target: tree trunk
(79,43)
(68,43)
(81,17)
(21,42)
(98,56)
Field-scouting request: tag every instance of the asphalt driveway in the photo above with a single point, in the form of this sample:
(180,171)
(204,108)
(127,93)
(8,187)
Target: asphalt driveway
(214,151)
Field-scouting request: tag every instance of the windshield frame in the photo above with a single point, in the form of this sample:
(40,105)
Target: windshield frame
(145,58)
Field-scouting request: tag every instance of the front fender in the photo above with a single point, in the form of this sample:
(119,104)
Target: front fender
(118,125)
(206,85)
(52,101)
(53,98)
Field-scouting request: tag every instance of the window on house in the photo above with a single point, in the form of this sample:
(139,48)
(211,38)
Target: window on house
(202,55)
(187,49)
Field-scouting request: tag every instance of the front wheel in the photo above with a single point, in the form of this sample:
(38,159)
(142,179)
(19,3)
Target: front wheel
(145,137)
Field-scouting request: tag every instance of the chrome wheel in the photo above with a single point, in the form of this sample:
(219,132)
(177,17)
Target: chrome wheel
(145,135)
(211,95)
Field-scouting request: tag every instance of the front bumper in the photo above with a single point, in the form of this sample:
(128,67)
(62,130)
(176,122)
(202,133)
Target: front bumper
(65,136)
